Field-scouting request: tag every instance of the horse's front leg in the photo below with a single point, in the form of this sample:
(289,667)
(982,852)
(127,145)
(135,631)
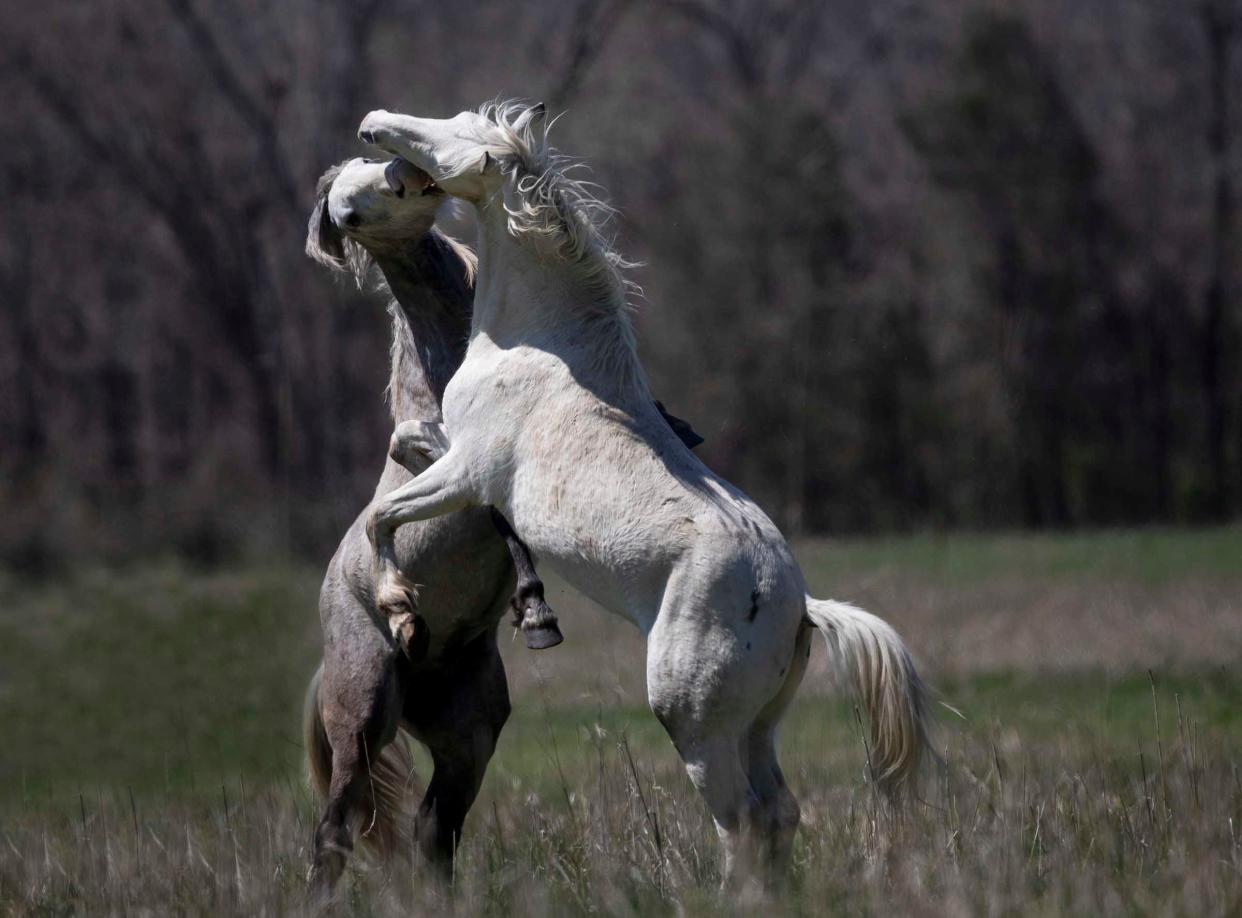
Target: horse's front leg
(415,445)
(442,488)
(532,614)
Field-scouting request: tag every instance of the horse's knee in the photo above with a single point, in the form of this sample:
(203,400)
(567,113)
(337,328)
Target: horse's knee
(417,444)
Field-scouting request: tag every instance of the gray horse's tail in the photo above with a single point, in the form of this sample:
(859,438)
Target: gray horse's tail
(871,659)
(387,827)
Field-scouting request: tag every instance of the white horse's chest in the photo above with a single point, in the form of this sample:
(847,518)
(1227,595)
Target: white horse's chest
(485,391)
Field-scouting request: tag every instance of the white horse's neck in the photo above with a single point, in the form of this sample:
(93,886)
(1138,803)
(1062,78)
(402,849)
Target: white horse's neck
(525,296)
(431,322)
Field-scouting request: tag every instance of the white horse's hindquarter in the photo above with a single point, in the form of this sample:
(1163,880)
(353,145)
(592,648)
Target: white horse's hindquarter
(723,660)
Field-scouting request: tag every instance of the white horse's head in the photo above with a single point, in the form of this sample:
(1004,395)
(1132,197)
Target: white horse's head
(465,155)
(362,205)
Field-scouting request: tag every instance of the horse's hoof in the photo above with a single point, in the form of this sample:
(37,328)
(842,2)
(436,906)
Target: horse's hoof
(412,636)
(396,599)
(542,637)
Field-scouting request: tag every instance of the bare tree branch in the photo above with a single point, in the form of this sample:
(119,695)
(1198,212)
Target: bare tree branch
(227,79)
(741,50)
(260,117)
(347,73)
(74,118)
(593,24)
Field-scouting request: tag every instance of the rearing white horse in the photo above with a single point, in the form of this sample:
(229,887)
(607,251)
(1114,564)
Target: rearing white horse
(550,420)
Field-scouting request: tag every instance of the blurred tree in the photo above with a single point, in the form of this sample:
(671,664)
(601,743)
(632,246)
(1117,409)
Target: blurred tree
(1219,348)
(908,264)
(1007,137)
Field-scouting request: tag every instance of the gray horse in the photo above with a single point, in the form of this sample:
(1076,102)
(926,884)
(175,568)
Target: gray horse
(440,679)
(448,688)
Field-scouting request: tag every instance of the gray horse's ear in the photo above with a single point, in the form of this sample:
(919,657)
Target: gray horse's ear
(324,242)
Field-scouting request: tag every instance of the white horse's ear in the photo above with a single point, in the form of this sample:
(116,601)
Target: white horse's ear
(486,163)
(538,112)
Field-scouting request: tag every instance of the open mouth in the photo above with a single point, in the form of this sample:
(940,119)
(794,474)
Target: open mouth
(402,176)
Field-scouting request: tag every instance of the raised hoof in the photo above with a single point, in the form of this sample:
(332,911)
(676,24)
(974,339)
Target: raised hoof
(542,637)
(397,603)
(412,636)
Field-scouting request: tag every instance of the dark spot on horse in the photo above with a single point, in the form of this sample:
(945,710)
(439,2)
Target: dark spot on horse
(352,218)
(754,606)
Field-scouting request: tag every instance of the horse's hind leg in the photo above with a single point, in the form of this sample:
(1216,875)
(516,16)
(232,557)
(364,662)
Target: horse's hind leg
(360,709)
(690,694)
(778,812)
(715,768)
(458,713)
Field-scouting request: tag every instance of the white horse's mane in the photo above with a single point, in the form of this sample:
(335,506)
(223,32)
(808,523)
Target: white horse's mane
(550,205)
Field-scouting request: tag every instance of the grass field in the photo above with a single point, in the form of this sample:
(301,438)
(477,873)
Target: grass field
(150,758)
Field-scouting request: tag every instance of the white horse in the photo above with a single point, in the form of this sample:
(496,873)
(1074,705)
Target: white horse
(550,420)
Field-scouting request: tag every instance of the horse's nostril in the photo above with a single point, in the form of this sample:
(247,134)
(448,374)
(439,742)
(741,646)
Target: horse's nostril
(367,136)
(352,219)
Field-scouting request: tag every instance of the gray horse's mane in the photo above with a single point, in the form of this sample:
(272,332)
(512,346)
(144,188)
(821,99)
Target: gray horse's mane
(326,244)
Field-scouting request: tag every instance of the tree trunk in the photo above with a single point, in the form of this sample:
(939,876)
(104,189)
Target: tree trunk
(1217,337)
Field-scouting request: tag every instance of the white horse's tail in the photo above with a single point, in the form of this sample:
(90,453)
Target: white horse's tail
(867,654)
(387,826)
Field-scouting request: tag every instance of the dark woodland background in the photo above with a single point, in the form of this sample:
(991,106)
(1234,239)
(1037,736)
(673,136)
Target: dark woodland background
(907,265)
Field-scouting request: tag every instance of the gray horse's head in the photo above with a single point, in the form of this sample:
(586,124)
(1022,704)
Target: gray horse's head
(363,206)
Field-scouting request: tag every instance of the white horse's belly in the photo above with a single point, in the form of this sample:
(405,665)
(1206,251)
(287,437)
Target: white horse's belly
(612,526)
(598,586)
(606,496)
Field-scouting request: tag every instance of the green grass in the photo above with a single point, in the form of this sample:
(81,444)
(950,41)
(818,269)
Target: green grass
(151,760)
(1147,556)
(153,680)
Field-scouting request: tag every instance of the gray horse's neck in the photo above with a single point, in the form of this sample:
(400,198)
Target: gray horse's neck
(432,295)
